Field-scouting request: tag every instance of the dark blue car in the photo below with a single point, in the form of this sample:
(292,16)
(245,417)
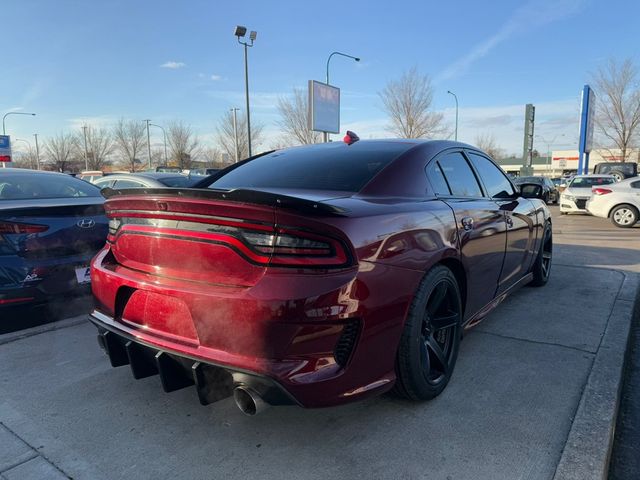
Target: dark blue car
(51,225)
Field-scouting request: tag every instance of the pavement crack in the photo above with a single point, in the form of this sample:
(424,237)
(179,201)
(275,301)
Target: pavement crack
(537,342)
(35,451)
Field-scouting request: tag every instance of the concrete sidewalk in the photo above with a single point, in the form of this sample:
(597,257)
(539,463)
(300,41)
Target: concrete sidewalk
(531,398)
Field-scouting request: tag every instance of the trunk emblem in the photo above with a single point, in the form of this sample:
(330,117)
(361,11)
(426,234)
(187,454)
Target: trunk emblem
(86,223)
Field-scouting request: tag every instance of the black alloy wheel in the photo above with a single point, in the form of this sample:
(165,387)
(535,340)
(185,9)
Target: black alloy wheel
(429,345)
(542,266)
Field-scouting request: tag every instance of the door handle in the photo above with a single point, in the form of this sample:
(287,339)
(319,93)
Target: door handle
(509,221)
(467,223)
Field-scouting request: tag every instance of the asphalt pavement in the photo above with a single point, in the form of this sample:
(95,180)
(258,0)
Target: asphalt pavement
(534,396)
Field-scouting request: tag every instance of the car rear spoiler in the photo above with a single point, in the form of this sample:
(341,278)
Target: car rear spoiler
(236,195)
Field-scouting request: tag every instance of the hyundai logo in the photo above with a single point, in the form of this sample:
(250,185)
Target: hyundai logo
(86,223)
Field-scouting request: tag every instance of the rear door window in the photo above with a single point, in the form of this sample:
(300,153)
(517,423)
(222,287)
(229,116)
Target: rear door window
(496,182)
(460,178)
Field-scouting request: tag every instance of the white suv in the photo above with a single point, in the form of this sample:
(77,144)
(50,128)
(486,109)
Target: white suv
(574,198)
(620,202)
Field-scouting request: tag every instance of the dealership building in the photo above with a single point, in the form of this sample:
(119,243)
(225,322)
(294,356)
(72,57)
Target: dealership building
(562,162)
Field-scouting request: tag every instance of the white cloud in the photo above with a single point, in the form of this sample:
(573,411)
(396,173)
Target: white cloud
(173,65)
(534,14)
(215,78)
(100,121)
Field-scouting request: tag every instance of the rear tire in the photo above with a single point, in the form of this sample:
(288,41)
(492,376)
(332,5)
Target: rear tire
(624,216)
(542,265)
(428,348)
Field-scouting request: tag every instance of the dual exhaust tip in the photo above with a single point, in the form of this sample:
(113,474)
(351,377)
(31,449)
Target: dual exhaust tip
(249,401)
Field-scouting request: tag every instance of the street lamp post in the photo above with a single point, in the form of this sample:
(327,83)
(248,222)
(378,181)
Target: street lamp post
(325,135)
(235,131)
(456,98)
(164,133)
(549,143)
(240,32)
(4,129)
(148,142)
(37,152)
(86,152)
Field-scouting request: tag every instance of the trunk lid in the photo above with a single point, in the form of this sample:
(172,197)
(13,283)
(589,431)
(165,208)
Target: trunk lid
(52,228)
(225,238)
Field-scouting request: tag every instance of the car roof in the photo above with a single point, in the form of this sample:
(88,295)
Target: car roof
(15,171)
(594,175)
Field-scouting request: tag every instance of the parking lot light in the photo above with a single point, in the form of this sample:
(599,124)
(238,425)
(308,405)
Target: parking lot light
(325,135)
(240,32)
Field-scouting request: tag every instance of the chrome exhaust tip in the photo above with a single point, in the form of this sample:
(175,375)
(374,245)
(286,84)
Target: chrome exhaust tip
(248,401)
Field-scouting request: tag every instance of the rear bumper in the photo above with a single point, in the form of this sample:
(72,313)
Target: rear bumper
(212,382)
(324,338)
(33,281)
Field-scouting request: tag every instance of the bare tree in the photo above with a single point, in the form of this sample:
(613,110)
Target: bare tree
(294,118)
(26,159)
(60,150)
(183,144)
(226,137)
(215,158)
(130,138)
(618,104)
(408,101)
(487,143)
(100,144)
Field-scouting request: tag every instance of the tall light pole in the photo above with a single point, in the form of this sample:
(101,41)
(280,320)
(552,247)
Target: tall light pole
(235,131)
(148,142)
(166,160)
(37,152)
(86,152)
(4,130)
(549,143)
(325,135)
(456,97)
(240,32)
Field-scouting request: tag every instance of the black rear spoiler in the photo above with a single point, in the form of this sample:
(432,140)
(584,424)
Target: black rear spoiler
(240,195)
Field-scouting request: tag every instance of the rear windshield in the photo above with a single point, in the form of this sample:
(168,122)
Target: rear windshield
(586,182)
(529,180)
(627,168)
(180,181)
(24,186)
(336,167)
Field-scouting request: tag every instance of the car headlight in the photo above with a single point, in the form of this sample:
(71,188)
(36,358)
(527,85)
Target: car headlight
(568,197)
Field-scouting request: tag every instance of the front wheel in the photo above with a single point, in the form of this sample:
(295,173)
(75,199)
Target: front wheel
(429,344)
(542,265)
(624,216)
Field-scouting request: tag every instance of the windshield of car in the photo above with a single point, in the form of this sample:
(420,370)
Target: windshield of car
(26,186)
(588,182)
(339,167)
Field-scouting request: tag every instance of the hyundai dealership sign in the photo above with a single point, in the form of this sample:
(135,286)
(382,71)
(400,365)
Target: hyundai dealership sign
(5,148)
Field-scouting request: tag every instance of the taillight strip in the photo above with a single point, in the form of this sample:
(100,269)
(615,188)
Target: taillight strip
(192,217)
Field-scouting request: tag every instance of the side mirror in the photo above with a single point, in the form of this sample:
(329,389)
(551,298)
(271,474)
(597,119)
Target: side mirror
(531,190)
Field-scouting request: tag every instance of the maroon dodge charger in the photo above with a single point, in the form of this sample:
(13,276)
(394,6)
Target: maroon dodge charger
(316,275)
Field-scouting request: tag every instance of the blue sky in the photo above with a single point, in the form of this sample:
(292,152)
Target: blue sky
(94,61)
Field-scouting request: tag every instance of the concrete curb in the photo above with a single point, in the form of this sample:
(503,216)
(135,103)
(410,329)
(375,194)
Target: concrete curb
(29,332)
(587,451)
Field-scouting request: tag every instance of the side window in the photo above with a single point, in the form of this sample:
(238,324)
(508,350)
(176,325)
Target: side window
(436,177)
(496,182)
(635,184)
(128,184)
(459,176)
